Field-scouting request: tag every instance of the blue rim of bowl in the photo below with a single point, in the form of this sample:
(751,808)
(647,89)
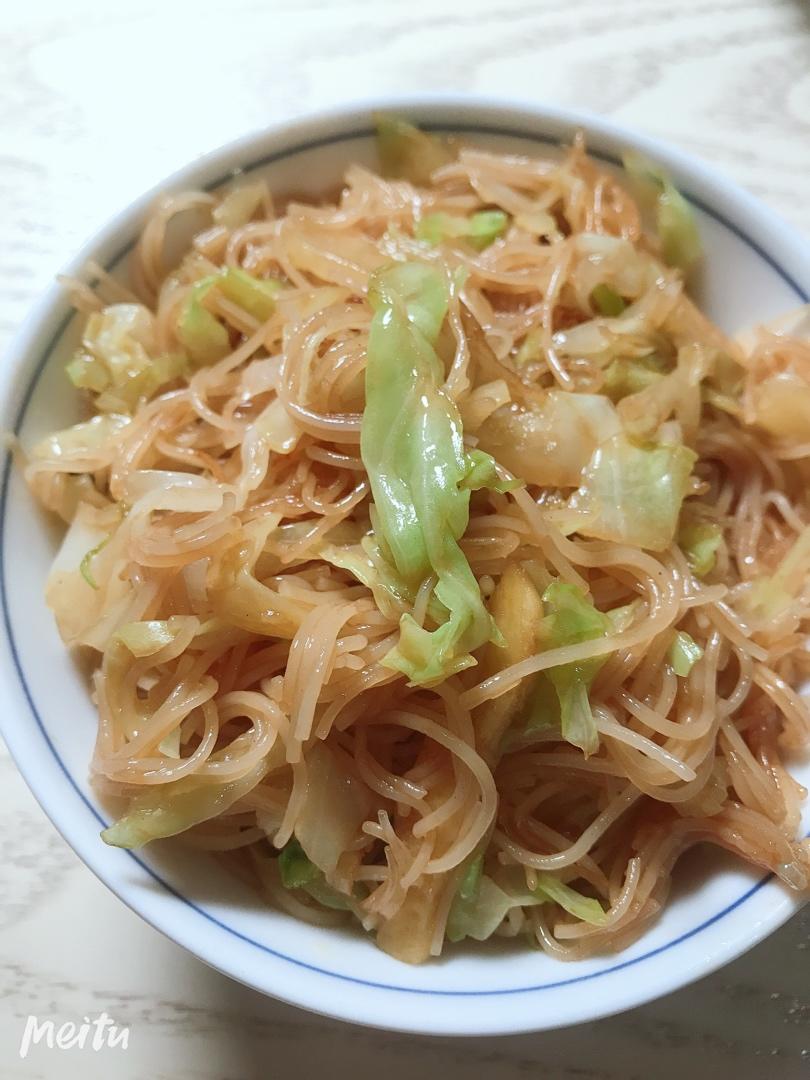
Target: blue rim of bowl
(291,151)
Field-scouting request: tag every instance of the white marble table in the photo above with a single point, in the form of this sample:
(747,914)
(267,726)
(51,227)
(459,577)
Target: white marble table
(89,116)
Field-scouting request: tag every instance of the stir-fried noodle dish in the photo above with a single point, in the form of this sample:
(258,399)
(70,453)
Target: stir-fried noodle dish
(443,568)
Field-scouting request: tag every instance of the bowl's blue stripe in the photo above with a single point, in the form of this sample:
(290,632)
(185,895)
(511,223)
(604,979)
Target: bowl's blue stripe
(622,965)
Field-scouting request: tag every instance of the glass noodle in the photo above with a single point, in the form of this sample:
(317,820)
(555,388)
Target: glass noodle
(444,568)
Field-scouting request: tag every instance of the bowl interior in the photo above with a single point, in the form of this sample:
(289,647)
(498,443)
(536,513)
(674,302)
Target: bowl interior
(718,907)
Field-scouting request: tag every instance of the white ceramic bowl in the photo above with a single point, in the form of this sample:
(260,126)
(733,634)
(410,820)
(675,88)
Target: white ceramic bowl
(756,268)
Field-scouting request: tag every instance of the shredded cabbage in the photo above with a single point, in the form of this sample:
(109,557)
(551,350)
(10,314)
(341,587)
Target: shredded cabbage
(167,809)
(81,447)
(545,712)
(677,228)
(365,561)
(240,204)
(119,359)
(630,375)
(479,230)
(613,270)
(255,295)
(530,349)
(551,442)
(684,653)
(203,336)
(781,406)
(298,872)
(631,494)
(550,888)
(479,912)
(607,301)
(777,376)
(335,807)
(405,152)
(200,332)
(517,609)
(699,541)
(771,594)
(420,474)
(467,902)
(295,868)
(480,915)
(321,891)
(86,565)
(146,638)
(471,880)
(87,616)
(169,745)
(486,226)
(571,619)
(275,428)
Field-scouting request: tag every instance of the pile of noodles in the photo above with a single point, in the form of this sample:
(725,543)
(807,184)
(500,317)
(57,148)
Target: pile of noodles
(255,713)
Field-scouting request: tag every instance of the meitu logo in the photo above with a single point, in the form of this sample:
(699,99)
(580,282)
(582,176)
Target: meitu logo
(90,1035)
